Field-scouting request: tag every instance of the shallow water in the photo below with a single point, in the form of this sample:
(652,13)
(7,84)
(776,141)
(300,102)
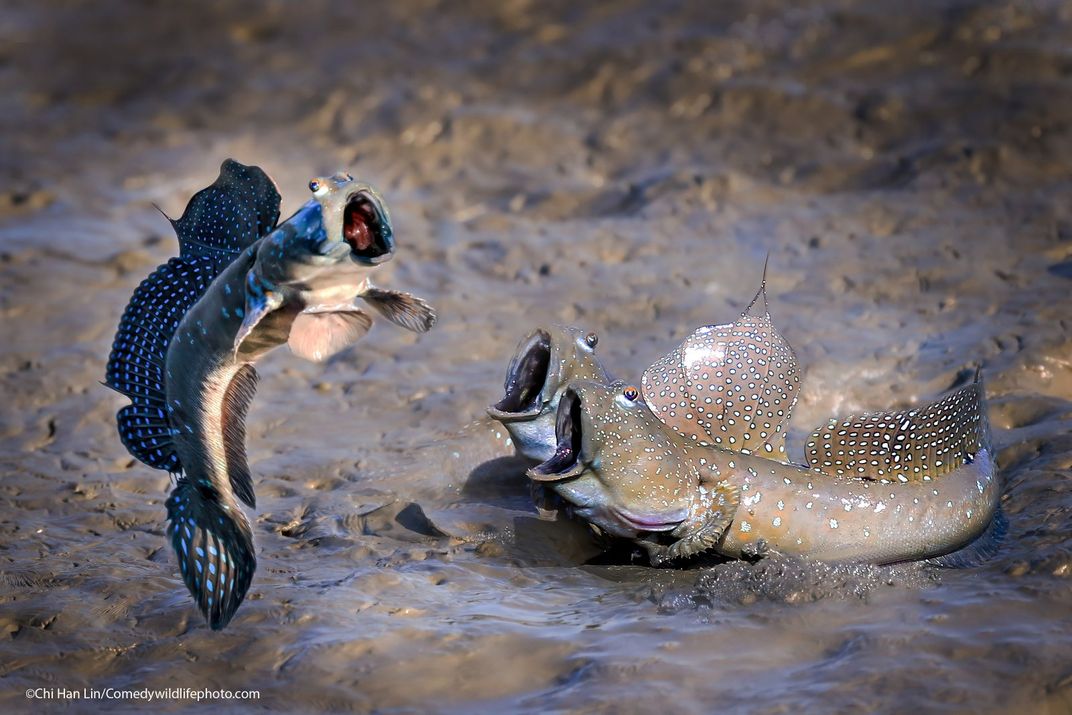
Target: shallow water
(621,167)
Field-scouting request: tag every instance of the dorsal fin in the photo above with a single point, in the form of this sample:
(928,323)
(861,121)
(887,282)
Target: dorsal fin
(906,445)
(223,219)
(731,385)
(139,352)
(219,222)
(236,401)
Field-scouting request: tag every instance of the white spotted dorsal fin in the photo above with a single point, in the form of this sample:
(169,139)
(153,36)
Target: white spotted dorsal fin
(907,445)
(732,385)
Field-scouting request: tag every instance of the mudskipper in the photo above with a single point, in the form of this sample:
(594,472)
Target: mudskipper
(187,342)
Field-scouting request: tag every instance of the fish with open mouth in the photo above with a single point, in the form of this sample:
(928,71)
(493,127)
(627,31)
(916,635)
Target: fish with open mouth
(928,489)
(186,344)
(544,362)
(626,473)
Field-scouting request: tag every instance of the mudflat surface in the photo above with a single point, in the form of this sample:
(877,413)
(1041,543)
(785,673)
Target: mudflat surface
(625,167)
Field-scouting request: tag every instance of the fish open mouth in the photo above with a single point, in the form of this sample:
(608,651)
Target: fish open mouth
(566,461)
(366,229)
(525,383)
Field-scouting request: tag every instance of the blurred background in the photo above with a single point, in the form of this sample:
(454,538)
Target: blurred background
(622,166)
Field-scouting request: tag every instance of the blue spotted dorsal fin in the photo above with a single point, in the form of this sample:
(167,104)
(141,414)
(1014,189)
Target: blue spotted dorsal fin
(218,223)
(223,219)
(139,352)
(732,385)
(907,445)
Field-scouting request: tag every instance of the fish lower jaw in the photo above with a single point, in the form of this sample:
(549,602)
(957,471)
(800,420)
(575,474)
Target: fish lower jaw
(532,438)
(647,522)
(332,288)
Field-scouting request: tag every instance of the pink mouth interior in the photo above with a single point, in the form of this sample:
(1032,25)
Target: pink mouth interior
(358,218)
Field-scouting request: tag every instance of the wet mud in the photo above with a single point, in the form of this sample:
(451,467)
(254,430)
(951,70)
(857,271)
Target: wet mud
(625,167)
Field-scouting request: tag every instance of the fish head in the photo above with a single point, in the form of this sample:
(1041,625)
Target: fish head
(545,361)
(617,464)
(355,219)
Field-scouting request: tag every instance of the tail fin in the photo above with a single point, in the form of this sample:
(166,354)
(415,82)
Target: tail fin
(218,224)
(982,549)
(214,543)
(731,385)
(908,445)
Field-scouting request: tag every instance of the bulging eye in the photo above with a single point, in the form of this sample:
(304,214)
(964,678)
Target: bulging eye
(349,176)
(314,185)
(591,340)
(631,393)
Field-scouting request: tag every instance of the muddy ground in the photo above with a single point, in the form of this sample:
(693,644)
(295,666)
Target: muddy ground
(625,167)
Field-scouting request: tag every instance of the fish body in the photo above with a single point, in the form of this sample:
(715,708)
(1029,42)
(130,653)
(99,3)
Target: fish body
(544,362)
(304,283)
(803,512)
(694,459)
(631,476)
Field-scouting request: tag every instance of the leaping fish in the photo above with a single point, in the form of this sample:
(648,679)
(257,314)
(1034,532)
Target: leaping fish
(186,345)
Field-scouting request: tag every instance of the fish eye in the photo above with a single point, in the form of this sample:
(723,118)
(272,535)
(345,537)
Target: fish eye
(592,340)
(631,393)
(314,185)
(349,176)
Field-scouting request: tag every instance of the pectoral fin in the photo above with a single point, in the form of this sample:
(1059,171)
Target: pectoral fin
(402,309)
(261,301)
(702,532)
(316,336)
